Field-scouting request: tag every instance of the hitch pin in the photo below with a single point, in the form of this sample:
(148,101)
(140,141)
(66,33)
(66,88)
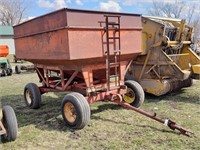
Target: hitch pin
(172,125)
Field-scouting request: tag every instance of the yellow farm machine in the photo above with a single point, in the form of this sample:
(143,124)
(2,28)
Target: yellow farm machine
(167,62)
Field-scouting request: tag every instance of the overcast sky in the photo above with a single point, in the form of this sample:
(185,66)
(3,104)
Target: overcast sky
(40,7)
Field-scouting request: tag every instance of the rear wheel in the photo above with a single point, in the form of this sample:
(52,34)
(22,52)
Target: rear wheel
(135,94)
(17,69)
(32,95)
(9,71)
(3,73)
(10,123)
(75,110)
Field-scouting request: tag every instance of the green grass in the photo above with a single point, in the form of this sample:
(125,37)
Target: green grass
(111,127)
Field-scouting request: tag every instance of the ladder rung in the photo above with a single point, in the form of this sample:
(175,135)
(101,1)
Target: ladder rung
(116,51)
(114,64)
(113,76)
(108,43)
(114,38)
(114,87)
(113,28)
(113,23)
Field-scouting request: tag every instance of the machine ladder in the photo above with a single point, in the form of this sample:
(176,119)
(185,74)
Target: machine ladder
(113,52)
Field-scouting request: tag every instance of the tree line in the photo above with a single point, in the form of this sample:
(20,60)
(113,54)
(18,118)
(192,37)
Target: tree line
(179,9)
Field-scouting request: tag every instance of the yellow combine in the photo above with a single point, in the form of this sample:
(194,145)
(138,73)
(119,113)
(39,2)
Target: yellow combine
(167,62)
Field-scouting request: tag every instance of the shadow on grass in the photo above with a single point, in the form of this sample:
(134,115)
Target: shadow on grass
(106,106)
(48,117)
(109,120)
(181,95)
(160,130)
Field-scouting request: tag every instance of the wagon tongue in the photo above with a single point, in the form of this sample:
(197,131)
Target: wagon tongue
(167,122)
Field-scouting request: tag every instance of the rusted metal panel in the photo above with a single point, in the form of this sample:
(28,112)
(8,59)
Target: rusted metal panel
(92,19)
(87,45)
(46,46)
(67,35)
(43,23)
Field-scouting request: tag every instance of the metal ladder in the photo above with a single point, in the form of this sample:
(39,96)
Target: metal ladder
(112,30)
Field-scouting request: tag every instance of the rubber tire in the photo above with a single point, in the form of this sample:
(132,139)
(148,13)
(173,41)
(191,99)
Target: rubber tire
(34,94)
(139,92)
(9,72)
(15,60)
(3,74)
(82,109)
(17,69)
(10,123)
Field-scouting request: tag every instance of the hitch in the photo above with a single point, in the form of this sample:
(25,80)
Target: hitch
(167,122)
(172,125)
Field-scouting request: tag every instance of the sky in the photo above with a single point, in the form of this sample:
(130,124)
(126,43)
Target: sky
(40,7)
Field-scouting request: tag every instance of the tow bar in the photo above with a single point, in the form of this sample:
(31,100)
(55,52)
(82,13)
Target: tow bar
(167,122)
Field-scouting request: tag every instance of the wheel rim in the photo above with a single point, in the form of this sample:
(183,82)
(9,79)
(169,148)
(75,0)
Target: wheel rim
(4,121)
(70,112)
(129,97)
(28,97)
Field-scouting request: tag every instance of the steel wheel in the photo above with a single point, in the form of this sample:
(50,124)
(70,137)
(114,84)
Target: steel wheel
(75,110)
(70,112)
(135,93)
(28,97)
(9,121)
(129,97)
(32,95)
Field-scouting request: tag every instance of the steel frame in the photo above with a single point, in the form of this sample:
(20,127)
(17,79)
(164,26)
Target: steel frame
(93,90)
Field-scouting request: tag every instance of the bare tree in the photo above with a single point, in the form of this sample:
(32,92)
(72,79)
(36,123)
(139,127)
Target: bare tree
(179,9)
(12,11)
(196,24)
(165,9)
(190,13)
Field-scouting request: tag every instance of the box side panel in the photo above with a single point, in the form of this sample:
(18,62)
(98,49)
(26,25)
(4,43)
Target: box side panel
(85,44)
(88,44)
(89,19)
(44,23)
(46,46)
(131,41)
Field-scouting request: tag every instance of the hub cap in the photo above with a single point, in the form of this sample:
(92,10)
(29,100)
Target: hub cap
(129,97)
(28,97)
(70,112)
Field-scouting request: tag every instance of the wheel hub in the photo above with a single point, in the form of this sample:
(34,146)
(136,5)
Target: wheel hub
(70,112)
(129,97)
(28,97)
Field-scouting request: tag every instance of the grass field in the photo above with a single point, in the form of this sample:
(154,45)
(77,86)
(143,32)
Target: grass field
(111,127)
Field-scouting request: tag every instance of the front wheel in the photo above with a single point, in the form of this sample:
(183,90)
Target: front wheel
(135,94)
(75,110)
(32,95)
(10,123)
